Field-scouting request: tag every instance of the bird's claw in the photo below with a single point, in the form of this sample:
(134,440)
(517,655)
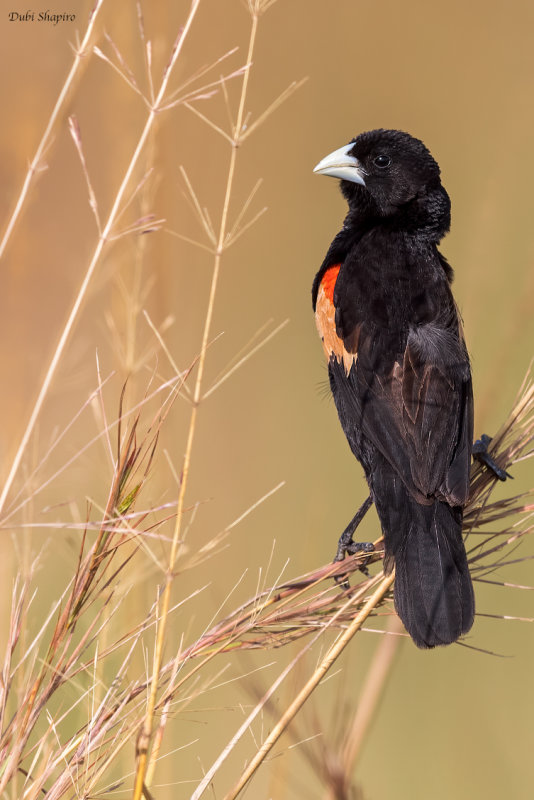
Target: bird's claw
(351,548)
(480,452)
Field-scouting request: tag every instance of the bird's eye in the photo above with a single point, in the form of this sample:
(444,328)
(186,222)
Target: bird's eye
(382,161)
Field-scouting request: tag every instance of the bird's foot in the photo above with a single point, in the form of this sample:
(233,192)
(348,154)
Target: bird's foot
(480,452)
(346,545)
(351,548)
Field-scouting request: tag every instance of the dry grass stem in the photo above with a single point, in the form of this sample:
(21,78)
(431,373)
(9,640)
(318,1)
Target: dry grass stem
(239,363)
(171,387)
(383,586)
(106,231)
(338,759)
(36,165)
(145,735)
(77,139)
(219,241)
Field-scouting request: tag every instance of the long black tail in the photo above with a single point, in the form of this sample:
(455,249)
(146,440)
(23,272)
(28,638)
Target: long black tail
(433,589)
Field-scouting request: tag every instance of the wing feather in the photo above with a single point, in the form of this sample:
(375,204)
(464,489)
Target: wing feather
(418,413)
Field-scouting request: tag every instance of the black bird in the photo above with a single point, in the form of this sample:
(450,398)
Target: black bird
(399,373)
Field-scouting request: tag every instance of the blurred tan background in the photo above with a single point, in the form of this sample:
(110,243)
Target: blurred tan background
(454,723)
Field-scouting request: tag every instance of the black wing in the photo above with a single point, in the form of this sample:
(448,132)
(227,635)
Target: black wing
(415,407)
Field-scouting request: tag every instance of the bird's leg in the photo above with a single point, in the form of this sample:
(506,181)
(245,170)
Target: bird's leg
(345,544)
(480,452)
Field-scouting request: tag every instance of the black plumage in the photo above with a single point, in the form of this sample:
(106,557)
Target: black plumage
(399,371)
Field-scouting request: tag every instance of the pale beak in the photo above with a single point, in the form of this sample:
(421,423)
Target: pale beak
(340,165)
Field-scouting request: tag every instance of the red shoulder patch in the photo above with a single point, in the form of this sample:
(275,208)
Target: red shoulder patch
(325,318)
(329,281)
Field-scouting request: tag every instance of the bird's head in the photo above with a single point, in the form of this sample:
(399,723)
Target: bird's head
(390,174)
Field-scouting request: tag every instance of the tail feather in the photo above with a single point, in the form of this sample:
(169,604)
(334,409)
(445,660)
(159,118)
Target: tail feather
(433,589)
